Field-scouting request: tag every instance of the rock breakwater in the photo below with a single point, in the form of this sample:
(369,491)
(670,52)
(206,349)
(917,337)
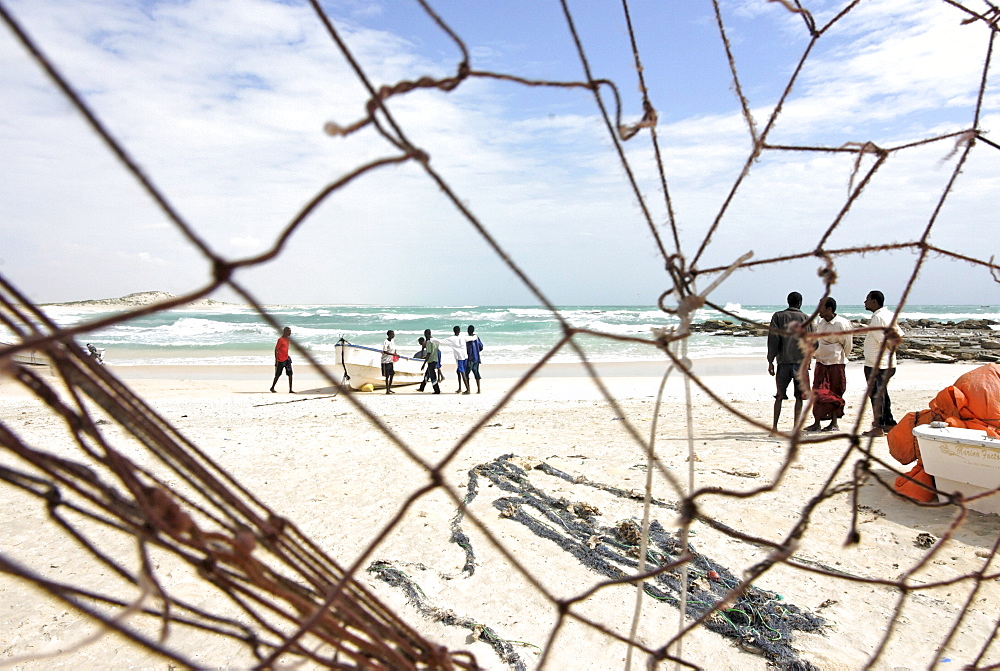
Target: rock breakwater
(924,339)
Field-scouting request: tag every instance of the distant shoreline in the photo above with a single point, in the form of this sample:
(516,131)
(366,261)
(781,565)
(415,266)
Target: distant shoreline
(143,298)
(139,299)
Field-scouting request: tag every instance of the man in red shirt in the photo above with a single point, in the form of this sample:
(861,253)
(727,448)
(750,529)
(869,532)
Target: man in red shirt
(282,361)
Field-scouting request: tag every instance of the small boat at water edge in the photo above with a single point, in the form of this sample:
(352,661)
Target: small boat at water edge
(363,365)
(28,357)
(35,358)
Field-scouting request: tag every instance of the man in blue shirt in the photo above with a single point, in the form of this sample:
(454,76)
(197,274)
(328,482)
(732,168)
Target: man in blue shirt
(473,348)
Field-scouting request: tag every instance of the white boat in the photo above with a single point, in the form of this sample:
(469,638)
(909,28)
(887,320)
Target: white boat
(363,365)
(31,357)
(28,357)
(963,460)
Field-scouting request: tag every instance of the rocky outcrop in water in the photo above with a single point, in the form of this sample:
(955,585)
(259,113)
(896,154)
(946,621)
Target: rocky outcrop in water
(948,342)
(925,339)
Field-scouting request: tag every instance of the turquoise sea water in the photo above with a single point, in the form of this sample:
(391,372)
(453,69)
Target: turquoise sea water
(234,334)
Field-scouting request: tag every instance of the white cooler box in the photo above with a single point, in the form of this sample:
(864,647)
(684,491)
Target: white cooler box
(961,460)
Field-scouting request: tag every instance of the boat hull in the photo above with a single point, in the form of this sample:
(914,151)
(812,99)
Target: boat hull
(363,365)
(963,460)
(31,357)
(28,357)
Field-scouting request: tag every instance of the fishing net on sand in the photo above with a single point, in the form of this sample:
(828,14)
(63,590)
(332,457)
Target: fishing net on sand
(182,559)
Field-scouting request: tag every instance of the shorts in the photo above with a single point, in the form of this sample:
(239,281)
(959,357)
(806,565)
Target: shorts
(387,369)
(788,372)
(474,370)
(286,365)
(461,365)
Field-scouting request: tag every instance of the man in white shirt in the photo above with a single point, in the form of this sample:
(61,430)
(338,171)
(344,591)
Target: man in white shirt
(880,362)
(457,344)
(388,357)
(833,346)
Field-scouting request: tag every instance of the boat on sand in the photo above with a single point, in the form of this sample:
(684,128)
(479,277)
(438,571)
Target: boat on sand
(27,357)
(32,357)
(363,365)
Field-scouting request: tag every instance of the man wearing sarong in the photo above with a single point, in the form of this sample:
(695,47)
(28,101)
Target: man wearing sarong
(833,346)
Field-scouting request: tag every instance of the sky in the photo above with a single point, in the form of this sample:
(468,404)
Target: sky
(224,106)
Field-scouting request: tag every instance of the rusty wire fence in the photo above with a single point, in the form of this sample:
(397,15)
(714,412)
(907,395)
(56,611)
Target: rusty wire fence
(284,599)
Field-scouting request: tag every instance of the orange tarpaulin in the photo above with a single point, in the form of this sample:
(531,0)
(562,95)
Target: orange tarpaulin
(973,402)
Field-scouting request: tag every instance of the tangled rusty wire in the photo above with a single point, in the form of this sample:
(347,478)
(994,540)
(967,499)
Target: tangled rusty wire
(290,599)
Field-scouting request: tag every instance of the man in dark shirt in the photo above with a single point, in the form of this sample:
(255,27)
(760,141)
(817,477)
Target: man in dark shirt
(431,362)
(784,349)
(473,348)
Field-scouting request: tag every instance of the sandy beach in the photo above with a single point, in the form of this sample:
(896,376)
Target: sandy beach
(317,459)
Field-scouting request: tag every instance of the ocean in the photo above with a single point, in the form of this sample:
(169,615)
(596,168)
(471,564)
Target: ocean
(236,335)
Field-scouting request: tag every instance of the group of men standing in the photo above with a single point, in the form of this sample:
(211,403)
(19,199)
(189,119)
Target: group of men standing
(833,342)
(465,347)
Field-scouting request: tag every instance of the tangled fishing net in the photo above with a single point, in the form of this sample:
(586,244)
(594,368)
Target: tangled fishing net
(165,525)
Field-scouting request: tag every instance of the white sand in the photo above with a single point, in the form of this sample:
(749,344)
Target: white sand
(317,460)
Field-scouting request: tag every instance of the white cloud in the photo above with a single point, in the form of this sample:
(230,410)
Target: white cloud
(246,244)
(222,104)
